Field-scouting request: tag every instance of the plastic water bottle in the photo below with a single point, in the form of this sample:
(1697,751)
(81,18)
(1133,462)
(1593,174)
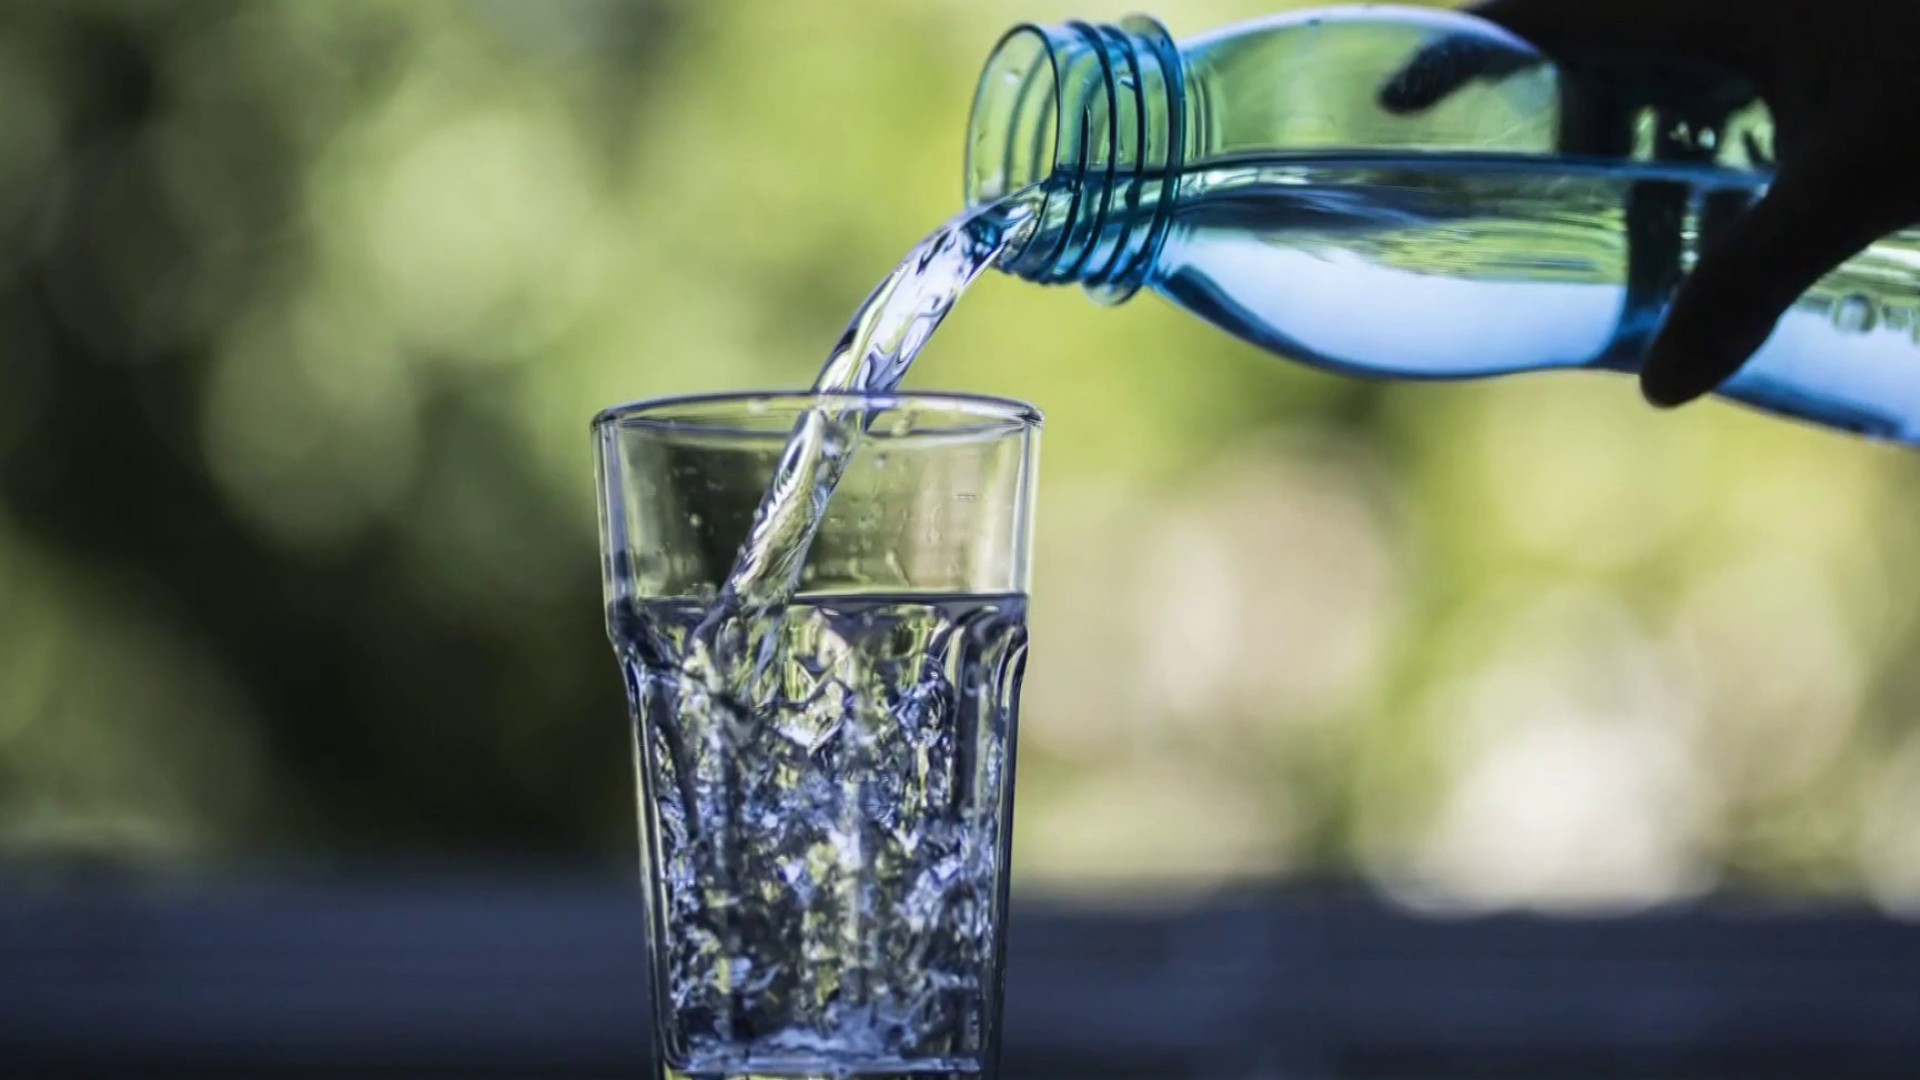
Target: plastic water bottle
(1264,178)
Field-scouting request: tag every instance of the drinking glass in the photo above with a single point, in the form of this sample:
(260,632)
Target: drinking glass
(826,781)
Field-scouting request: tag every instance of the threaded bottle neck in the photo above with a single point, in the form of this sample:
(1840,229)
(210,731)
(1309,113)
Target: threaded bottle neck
(1095,116)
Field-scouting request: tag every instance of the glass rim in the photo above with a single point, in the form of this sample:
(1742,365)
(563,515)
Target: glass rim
(992,412)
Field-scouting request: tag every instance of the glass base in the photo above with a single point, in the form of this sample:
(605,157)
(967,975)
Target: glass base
(909,1073)
(669,1073)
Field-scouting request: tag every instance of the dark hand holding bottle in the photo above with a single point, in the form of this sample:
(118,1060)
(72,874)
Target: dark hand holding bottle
(1841,78)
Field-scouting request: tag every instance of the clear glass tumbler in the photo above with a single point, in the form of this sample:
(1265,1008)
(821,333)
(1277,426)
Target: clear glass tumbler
(826,786)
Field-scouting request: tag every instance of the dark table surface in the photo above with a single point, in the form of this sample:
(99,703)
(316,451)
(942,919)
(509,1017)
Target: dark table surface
(542,977)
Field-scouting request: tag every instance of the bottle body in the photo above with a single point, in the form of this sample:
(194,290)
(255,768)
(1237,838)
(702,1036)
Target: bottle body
(1529,221)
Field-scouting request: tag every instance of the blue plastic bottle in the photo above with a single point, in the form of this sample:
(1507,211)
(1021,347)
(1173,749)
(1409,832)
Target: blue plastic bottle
(1532,220)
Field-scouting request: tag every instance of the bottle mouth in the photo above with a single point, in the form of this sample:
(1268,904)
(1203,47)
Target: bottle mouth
(1091,116)
(1014,128)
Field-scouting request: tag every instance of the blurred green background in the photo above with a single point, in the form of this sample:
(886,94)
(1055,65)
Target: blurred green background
(304,308)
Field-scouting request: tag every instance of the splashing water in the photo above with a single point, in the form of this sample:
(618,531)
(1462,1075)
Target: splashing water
(825,826)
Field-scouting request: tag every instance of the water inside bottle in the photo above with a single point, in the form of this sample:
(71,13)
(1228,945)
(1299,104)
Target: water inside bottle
(1433,267)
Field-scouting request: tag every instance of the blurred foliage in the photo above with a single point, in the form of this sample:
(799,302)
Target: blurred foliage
(305,307)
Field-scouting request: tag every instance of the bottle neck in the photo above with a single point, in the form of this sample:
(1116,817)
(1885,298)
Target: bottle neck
(1094,117)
